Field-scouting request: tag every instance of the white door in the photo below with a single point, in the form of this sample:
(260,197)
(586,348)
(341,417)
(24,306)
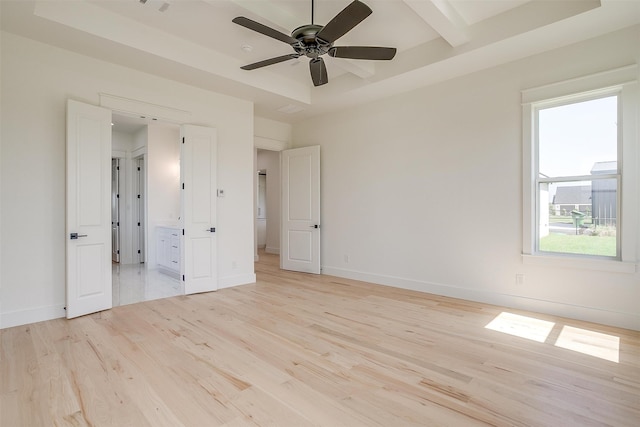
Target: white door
(88,249)
(300,243)
(198,170)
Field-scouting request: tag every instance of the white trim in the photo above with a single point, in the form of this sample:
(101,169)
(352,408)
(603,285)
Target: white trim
(589,314)
(582,263)
(136,107)
(31,315)
(580,85)
(263,143)
(272,250)
(231,281)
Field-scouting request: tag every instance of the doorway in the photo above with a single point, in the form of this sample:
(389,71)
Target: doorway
(136,214)
(267,215)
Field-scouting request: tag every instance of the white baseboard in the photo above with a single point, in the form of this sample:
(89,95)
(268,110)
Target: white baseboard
(272,250)
(589,314)
(231,281)
(32,315)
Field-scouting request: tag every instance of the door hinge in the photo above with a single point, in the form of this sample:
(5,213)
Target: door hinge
(183,277)
(138,168)
(138,224)
(138,196)
(117,196)
(139,251)
(117,168)
(118,251)
(183,231)
(183,185)
(183,139)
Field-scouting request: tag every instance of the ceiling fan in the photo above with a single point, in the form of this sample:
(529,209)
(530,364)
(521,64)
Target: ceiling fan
(313,41)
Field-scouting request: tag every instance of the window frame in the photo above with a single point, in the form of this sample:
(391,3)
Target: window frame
(622,82)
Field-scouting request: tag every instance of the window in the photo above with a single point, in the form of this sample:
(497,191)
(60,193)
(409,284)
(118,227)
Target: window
(577,176)
(580,167)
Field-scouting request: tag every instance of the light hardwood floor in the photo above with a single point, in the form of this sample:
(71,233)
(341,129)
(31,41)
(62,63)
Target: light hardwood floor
(296,350)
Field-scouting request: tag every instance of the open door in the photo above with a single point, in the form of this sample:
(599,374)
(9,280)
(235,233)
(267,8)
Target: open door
(88,230)
(300,242)
(198,170)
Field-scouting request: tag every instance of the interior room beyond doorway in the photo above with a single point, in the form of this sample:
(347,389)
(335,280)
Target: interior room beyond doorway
(268,202)
(145,207)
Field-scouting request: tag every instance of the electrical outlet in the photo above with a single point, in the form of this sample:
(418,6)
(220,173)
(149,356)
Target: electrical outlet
(519,279)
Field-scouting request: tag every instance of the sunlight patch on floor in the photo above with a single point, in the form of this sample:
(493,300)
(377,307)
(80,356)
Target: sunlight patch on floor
(521,326)
(588,342)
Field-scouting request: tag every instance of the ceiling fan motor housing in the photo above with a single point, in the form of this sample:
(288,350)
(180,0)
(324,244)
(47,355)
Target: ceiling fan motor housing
(308,44)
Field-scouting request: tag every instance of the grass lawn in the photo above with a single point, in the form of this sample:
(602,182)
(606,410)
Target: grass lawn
(580,244)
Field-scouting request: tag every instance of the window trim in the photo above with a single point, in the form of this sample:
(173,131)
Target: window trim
(622,82)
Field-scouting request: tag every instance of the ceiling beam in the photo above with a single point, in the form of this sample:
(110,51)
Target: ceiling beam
(97,21)
(443,18)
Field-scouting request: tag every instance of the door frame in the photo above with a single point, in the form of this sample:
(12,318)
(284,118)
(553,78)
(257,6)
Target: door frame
(260,143)
(120,105)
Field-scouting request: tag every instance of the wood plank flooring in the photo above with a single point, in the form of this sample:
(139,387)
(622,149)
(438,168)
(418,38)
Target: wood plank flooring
(303,350)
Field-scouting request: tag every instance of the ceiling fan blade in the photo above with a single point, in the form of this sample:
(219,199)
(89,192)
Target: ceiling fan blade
(363,52)
(318,72)
(263,29)
(271,61)
(344,21)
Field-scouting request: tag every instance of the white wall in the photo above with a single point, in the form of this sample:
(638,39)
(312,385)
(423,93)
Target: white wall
(163,183)
(271,134)
(37,79)
(424,190)
(270,162)
(121,141)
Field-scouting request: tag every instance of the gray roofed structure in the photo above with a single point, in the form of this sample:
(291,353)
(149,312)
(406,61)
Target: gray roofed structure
(573,195)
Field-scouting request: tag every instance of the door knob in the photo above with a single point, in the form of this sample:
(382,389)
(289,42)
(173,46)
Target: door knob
(314,226)
(74,236)
(211,230)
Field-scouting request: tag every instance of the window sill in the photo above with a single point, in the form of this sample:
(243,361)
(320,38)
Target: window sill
(612,266)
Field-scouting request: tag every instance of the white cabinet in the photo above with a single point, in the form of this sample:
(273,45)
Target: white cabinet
(168,250)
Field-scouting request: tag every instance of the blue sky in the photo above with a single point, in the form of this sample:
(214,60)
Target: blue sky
(573,137)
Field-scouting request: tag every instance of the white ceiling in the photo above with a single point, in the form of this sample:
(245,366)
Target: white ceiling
(195,42)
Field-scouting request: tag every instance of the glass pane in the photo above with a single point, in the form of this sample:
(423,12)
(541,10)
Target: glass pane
(578,217)
(579,139)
